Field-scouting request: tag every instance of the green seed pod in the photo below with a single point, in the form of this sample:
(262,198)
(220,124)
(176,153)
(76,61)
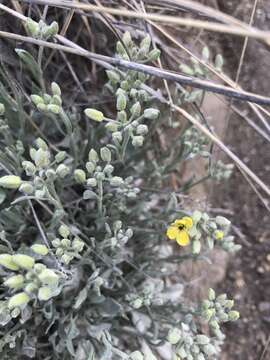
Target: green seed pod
(151,113)
(137,141)
(55,109)
(154,55)
(62,170)
(233,315)
(23,261)
(59,157)
(113,76)
(2,109)
(48,277)
(26,188)
(106,154)
(94,114)
(92,182)
(55,89)
(19,300)
(64,231)
(37,99)
(44,293)
(10,182)
(121,102)
(202,339)
(14,282)
(174,336)
(40,249)
(136,355)
(93,155)
(116,181)
(80,176)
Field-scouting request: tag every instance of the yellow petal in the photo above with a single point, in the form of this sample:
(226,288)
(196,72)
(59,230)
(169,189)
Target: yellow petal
(182,238)
(188,221)
(179,222)
(172,232)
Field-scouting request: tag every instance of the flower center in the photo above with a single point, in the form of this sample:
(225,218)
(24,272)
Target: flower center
(181,227)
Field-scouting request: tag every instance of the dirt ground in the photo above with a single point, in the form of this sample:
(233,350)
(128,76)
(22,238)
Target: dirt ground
(248,274)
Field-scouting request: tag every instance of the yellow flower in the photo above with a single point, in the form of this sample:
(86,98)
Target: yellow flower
(178,230)
(219,235)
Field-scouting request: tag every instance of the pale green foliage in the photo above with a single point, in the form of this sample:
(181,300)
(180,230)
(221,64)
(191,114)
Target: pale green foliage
(84,261)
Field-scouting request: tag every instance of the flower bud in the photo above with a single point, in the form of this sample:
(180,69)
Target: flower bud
(211,294)
(233,315)
(32,27)
(116,181)
(209,349)
(10,181)
(2,109)
(48,277)
(30,288)
(145,43)
(65,242)
(38,268)
(154,55)
(208,314)
(6,261)
(94,114)
(105,154)
(113,76)
(19,300)
(117,136)
(56,243)
(222,221)
(77,245)
(137,141)
(55,109)
(62,170)
(136,355)
(127,40)
(56,100)
(23,261)
(202,339)
(37,99)
(26,188)
(108,169)
(44,293)
(50,30)
(55,89)
(40,249)
(14,282)
(122,116)
(80,176)
(93,155)
(196,216)
(64,231)
(92,182)
(111,126)
(196,247)
(66,259)
(59,252)
(142,129)
(174,336)
(151,113)
(42,158)
(29,168)
(121,102)
(59,157)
